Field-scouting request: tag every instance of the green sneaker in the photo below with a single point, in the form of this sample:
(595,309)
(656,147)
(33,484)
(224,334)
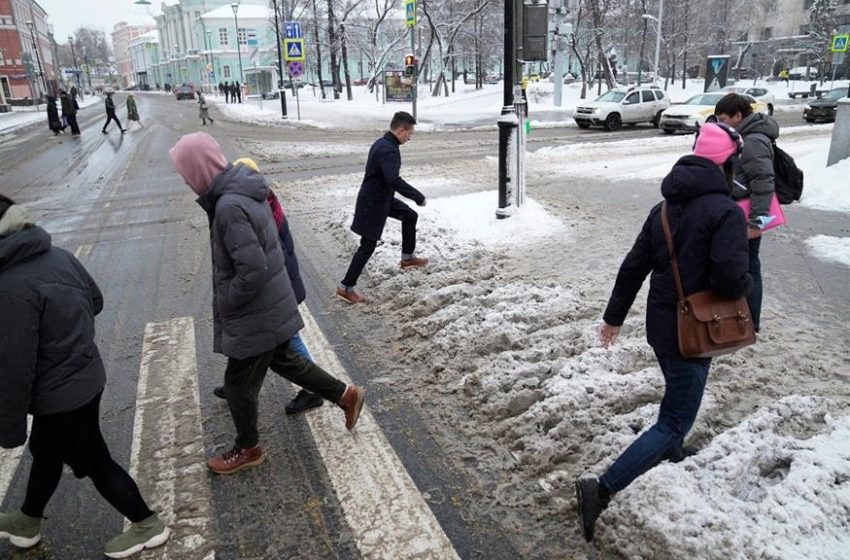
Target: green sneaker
(22,530)
(148,533)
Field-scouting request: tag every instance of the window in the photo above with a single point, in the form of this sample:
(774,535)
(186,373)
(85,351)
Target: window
(222,36)
(659,95)
(633,98)
(242,36)
(226,70)
(647,96)
(4,82)
(766,33)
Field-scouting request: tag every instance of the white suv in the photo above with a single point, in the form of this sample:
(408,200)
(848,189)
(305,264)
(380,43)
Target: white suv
(630,105)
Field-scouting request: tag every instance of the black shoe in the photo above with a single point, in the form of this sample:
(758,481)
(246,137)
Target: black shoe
(590,505)
(219,392)
(677,455)
(103,131)
(123,130)
(303,401)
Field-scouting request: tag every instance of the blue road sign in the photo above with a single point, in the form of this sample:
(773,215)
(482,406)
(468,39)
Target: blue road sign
(293,50)
(292,30)
(410,12)
(840,43)
(295,69)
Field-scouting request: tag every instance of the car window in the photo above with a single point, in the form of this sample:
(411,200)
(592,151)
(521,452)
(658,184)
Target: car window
(755,92)
(633,98)
(614,96)
(659,95)
(836,94)
(705,99)
(647,96)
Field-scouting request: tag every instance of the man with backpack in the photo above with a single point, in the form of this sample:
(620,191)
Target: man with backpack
(754,177)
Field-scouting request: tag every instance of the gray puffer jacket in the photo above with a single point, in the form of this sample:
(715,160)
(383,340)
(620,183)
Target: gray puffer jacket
(254,307)
(754,169)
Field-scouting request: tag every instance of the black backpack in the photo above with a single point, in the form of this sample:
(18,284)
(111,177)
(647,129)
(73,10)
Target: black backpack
(787,177)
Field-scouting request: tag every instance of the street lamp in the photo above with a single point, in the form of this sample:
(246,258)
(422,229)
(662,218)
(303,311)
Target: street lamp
(657,34)
(88,69)
(31,26)
(211,71)
(280,89)
(235,6)
(76,68)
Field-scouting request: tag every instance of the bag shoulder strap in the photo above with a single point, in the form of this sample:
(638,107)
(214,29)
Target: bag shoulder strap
(674,262)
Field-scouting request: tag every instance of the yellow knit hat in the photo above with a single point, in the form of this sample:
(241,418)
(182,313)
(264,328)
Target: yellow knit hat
(248,162)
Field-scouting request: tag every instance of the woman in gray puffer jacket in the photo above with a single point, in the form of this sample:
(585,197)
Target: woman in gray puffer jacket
(254,307)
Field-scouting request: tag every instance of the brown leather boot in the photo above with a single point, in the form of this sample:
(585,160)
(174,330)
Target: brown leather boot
(415,262)
(352,402)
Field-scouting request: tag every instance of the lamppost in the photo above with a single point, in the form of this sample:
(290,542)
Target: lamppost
(31,26)
(76,68)
(211,70)
(657,34)
(88,69)
(235,6)
(279,64)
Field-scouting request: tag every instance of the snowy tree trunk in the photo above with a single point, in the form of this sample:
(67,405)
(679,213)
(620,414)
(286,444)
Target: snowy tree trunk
(318,49)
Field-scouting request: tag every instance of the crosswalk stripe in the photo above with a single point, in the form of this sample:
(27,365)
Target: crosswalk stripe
(168,447)
(385,510)
(9,461)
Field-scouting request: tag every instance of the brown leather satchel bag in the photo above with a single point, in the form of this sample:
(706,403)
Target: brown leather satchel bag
(709,324)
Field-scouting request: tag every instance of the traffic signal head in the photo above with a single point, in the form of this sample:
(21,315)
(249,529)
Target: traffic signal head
(409,60)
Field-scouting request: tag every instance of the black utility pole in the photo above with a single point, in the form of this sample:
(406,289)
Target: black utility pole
(509,54)
(76,68)
(279,65)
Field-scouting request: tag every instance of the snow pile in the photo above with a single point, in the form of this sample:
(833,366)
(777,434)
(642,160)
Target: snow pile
(777,486)
(825,187)
(274,152)
(835,249)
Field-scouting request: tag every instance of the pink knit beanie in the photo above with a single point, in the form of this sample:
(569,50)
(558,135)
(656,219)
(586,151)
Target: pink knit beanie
(714,144)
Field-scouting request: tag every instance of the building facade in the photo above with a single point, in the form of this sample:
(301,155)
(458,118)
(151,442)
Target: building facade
(144,61)
(27,67)
(122,34)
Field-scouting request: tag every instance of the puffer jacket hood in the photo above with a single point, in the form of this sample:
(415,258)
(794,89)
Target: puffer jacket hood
(239,180)
(693,176)
(22,245)
(758,123)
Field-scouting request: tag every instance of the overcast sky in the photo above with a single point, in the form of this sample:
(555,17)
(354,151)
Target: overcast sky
(67,15)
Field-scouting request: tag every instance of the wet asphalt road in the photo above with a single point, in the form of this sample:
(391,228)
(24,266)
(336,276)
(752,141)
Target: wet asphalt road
(117,200)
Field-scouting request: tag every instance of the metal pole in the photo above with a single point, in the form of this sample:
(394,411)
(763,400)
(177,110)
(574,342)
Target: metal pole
(238,46)
(415,67)
(281,91)
(76,68)
(658,39)
(508,86)
(37,56)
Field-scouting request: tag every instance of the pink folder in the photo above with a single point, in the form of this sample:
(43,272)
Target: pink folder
(777,217)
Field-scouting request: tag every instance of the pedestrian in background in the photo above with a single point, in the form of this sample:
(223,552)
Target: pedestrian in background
(73,92)
(204,113)
(51,369)
(110,113)
(53,120)
(226,92)
(255,314)
(132,110)
(237,89)
(69,111)
(304,400)
(754,179)
(376,202)
(709,232)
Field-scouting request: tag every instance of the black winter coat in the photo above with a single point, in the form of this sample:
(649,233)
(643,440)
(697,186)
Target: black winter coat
(291,261)
(110,105)
(710,235)
(53,120)
(49,362)
(69,106)
(254,306)
(380,183)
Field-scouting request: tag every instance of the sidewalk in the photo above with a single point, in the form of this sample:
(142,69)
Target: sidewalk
(21,117)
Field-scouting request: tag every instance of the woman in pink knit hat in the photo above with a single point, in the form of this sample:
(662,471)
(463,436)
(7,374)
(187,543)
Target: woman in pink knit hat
(710,237)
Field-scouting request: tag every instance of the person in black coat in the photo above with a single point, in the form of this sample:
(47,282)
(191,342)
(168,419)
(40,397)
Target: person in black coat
(110,114)
(53,120)
(710,237)
(237,91)
(50,367)
(69,111)
(376,202)
(226,92)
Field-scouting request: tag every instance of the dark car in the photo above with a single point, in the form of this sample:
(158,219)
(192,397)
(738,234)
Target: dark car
(184,92)
(823,109)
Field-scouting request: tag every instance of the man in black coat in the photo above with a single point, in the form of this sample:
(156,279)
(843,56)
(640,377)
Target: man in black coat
(69,111)
(110,114)
(376,202)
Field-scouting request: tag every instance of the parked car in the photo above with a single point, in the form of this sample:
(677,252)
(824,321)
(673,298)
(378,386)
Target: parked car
(757,93)
(799,73)
(824,109)
(623,105)
(745,73)
(691,114)
(184,92)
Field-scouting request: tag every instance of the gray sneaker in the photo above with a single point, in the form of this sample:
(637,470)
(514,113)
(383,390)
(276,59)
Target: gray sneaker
(148,533)
(22,530)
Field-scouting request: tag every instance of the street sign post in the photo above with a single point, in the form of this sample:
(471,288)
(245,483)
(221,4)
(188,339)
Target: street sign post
(840,43)
(292,30)
(293,50)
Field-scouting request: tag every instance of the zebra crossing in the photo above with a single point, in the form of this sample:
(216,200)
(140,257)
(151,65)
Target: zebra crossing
(387,514)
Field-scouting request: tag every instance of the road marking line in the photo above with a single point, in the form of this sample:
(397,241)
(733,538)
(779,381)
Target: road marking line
(83,251)
(386,512)
(167,459)
(9,461)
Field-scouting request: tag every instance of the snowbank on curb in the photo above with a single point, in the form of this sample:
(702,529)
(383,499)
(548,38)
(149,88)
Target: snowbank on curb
(777,486)
(835,249)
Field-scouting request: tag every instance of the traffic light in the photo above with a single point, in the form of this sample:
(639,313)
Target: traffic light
(409,65)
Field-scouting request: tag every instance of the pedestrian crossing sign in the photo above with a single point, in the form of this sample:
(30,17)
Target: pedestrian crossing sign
(293,50)
(410,12)
(840,43)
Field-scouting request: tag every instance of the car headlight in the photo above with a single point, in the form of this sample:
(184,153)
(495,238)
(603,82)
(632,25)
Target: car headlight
(596,110)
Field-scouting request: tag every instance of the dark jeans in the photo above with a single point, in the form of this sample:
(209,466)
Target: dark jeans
(754,299)
(112,117)
(74,438)
(684,386)
(72,122)
(408,218)
(244,378)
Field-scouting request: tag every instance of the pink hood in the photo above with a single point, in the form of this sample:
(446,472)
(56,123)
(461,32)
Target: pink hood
(199,159)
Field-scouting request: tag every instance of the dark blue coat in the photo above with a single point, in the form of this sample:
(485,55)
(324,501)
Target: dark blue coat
(291,261)
(49,362)
(710,235)
(380,183)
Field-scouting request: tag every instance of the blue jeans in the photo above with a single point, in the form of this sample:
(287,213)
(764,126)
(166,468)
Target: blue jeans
(684,385)
(298,345)
(754,299)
